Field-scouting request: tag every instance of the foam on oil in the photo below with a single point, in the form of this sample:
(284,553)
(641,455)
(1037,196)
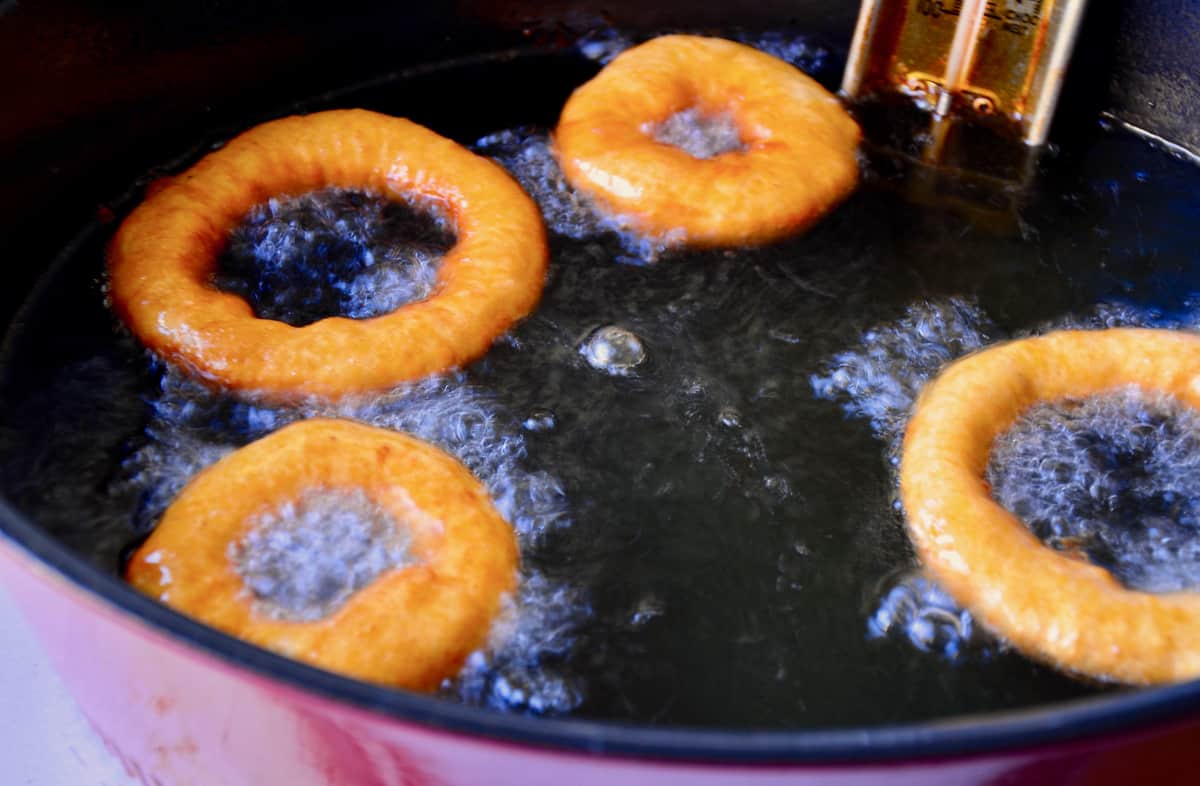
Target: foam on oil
(699,135)
(191,427)
(303,559)
(1113,479)
(334,252)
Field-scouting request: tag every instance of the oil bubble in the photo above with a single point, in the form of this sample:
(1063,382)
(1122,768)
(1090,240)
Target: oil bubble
(916,609)
(613,350)
(729,417)
(539,420)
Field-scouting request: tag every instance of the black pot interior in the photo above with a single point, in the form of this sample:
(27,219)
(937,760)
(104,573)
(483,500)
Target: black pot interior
(703,611)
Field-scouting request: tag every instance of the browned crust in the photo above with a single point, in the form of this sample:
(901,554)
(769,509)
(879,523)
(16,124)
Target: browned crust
(163,257)
(800,160)
(413,626)
(1061,610)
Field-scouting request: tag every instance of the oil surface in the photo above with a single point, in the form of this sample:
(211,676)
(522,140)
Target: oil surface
(696,448)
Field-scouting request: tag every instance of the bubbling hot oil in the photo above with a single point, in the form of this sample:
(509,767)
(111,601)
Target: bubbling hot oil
(302,560)
(706,539)
(334,252)
(698,134)
(881,378)
(1111,478)
(1114,479)
(528,155)
(879,381)
(192,427)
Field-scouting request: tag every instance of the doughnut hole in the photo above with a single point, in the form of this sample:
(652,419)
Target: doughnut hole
(700,134)
(303,559)
(1113,479)
(334,252)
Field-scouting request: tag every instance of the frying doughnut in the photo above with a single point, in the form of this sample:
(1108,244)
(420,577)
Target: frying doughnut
(798,158)
(1070,613)
(164,255)
(413,625)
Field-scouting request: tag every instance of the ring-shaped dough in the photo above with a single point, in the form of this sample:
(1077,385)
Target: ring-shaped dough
(412,626)
(800,158)
(162,259)
(1062,610)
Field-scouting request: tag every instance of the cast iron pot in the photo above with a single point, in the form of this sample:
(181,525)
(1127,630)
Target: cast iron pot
(91,92)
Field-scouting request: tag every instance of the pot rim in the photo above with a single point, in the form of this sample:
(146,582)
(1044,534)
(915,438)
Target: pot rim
(954,736)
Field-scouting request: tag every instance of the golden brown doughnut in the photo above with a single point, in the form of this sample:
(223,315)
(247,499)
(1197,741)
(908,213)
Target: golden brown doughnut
(1062,610)
(413,625)
(162,259)
(799,159)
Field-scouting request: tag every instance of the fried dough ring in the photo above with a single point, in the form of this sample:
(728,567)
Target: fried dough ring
(165,253)
(799,163)
(412,626)
(1062,610)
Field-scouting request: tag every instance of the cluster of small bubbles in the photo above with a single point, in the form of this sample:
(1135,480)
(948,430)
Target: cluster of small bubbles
(1112,478)
(799,50)
(535,692)
(916,609)
(698,134)
(191,427)
(640,250)
(1109,314)
(881,379)
(529,157)
(334,252)
(613,350)
(603,44)
(1118,314)
(179,442)
(523,668)
(304,559)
